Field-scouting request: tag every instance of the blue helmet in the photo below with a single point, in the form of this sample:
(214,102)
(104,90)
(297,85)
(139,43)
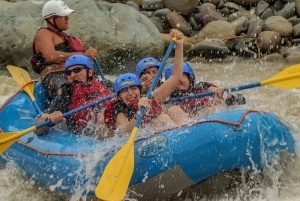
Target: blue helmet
(126,80)
(186,69)
(78,60)
(144,64)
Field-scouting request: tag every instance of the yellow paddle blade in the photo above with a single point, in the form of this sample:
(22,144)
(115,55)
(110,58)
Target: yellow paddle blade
(288,78)
(117,174)
(22,77)
(7,139)
(288,71)
(5,144)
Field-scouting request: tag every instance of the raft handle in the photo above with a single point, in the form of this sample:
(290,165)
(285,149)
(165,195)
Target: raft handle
(238,128)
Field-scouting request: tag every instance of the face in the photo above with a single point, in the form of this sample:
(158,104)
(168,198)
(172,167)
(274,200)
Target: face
(62,22)
(78,73)
(150,71)
(129,94)
(183,83)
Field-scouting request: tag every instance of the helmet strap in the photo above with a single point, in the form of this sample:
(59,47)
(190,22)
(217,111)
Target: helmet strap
(53,25)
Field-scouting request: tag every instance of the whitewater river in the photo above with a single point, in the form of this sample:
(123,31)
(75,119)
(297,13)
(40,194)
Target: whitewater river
(284,102)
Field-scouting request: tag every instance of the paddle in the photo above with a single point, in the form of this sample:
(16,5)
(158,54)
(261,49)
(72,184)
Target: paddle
(108,83)
(23,79)
(99,69)
(286,79)
(117,174)
(7,139)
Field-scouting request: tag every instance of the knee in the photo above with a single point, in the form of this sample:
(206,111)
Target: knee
(177,114)
(163,120)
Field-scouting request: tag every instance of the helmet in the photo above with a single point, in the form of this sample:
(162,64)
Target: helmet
(126,80)
(56,7)
(186,69)
(78,60)
(144,64)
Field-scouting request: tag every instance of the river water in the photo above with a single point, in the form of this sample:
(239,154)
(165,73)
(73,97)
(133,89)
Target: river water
(283,102)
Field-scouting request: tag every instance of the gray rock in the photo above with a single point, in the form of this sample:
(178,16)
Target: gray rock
(288,10)
(272,57)
(121,34)
(296,31)
(249,2)
(184,7)
(267,13)
(210,16)
(245,48)
(4,4)
(205,7)
(278,5)
(194,24)
(158,23)
(215,2)
(269,41)
(162,13)
(231,5)
(238,24)
(297,5)
(255,27)
(176,21)
(208,49)
(261,7)
(133,5)
(294,21)
(234,16)
(280,25)
(147,13)
(151,4)
(216,30)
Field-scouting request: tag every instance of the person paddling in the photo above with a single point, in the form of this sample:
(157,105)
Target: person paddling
(52,47)
(199,106)
(80,90)
(146,70)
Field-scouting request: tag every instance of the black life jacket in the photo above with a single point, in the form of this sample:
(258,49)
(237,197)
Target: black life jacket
(118,106)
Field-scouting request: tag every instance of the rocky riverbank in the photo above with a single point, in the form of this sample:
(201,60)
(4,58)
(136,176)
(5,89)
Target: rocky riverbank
(126,31)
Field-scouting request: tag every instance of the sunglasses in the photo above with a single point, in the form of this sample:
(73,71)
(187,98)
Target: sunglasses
(75,70)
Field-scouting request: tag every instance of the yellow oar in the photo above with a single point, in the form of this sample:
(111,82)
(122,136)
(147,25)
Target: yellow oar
(7,139)
(118,172)
(24,80)
(286,79)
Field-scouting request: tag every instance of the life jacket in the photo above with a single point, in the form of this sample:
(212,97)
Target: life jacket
(70,44)
(84,93)
(193,105)
(118,106)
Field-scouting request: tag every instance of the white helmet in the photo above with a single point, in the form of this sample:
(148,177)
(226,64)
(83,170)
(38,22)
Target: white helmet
(56,7)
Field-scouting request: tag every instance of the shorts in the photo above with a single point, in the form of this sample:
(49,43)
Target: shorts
(52,82)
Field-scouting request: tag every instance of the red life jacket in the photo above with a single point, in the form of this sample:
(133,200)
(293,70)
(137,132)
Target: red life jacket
(72,44)
(117,106)
(192,106)
(84,93)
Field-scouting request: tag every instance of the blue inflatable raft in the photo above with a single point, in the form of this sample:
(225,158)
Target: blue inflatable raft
(165,161)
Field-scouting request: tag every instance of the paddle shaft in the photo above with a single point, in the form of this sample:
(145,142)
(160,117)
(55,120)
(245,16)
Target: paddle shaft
(99,69)
(248,86)
(67,114)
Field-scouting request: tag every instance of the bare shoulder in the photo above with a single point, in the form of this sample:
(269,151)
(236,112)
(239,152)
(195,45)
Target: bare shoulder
(42,33)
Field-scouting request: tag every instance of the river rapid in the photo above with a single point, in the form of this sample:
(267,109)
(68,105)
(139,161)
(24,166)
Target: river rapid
(14,186)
